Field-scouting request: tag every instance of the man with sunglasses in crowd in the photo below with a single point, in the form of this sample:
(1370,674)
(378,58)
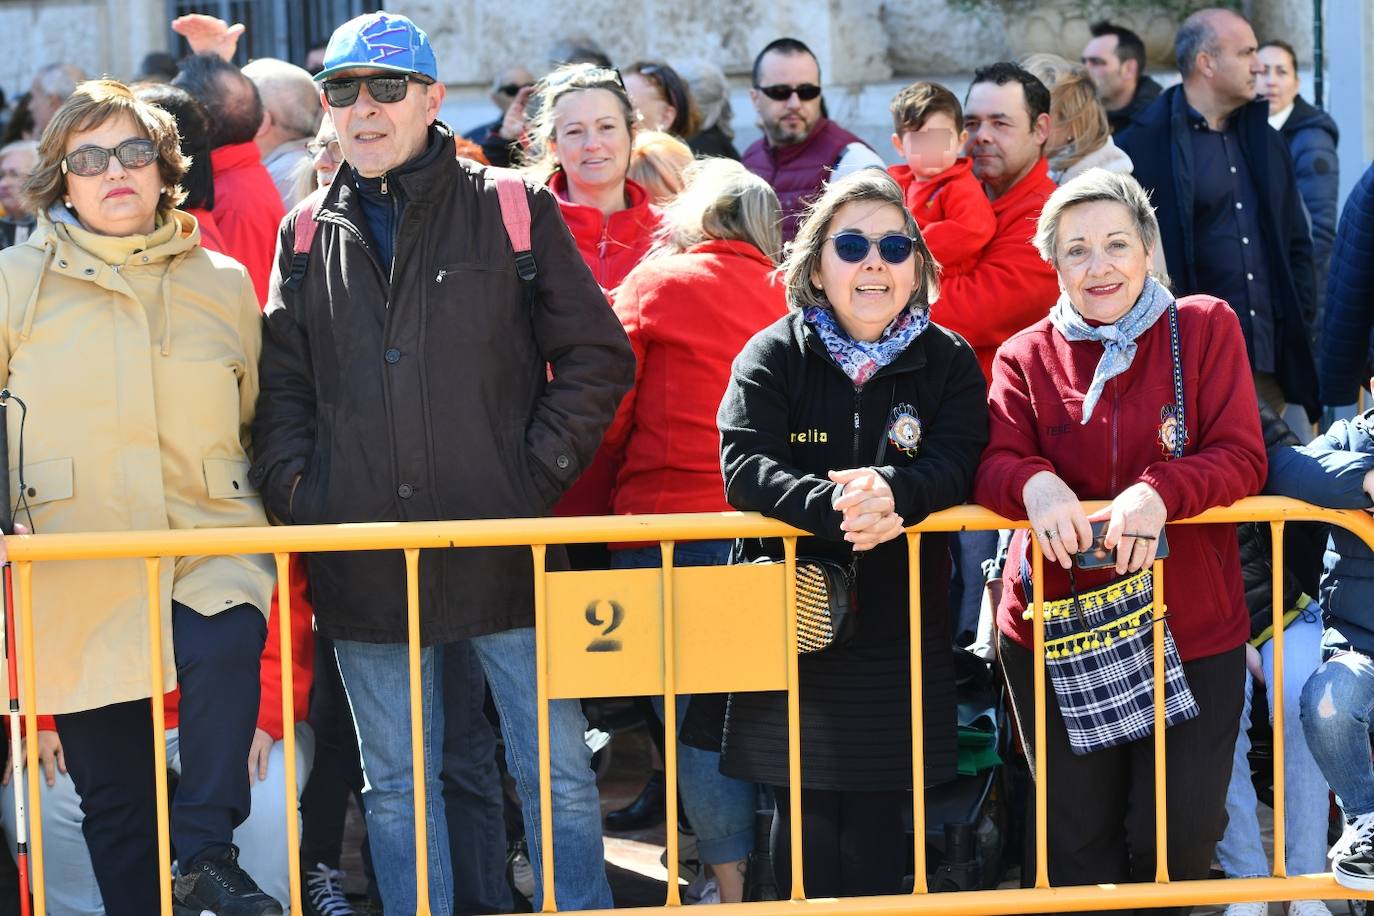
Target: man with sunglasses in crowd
(801,149)
(504,89)
(405,378)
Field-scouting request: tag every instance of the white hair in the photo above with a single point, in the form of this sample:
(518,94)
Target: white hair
(1092,186)
(288,92)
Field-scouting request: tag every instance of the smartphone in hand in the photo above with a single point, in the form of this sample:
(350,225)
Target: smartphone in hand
(1097,556)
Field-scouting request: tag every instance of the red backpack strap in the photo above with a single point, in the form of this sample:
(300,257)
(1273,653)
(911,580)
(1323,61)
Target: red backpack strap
(305,227)
(515,214)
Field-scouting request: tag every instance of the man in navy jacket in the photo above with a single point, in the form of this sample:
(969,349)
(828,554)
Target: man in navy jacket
(1350,299)
(1230,217)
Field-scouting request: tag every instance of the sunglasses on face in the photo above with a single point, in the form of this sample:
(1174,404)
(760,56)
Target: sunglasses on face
(343,92)
(315,147)
(512,89)
(852,248)
(89,161)
(781,92)
(588,74)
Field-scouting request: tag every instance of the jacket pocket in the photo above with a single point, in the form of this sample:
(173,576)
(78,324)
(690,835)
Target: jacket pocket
(227,478)
(44,482)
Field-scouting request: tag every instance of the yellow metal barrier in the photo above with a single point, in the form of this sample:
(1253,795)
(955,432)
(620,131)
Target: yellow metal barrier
(675,631)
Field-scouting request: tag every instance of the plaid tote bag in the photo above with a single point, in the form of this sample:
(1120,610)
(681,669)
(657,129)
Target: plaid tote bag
(1099,648)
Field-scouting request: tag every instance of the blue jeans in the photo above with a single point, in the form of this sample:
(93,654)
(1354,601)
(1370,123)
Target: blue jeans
(1337,705)
(720,807)
(1241,852)
(377,680)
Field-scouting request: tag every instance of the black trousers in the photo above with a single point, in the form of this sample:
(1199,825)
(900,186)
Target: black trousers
(109,755)
(1101,806)
(853,843)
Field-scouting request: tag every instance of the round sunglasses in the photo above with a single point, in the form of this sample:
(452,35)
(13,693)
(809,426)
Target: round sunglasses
(852,247)
(89,161)
(343,92)
(781,92)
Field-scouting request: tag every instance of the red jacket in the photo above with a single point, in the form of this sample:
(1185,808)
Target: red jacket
(1010,287)
(248,210)
(953,211)
(1035,409)
(687,316)
(210,236)
(611,247)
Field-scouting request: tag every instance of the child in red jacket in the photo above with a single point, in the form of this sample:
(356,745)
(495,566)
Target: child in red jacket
(949,204)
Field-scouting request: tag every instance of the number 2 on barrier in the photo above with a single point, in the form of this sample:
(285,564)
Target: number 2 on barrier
(612,623)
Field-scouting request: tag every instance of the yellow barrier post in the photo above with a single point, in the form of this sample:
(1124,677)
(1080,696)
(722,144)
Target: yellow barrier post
(33,773)
(1042,867)
(153,565)
(794,799)
(541,688)
(417,734)
(1161,773)
(1276,708)
(288,726)
(918,737)
(670,723)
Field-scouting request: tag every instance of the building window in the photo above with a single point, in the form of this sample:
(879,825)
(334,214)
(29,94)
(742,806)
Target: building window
(285,29)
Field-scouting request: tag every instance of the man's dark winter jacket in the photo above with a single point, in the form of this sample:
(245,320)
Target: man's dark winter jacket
(1345,358)
(1312,137)
(1146,91)
(1329,471)
(425,394)
(1287,244)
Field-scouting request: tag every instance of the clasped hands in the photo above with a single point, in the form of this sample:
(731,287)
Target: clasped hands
(1134,518)
(865,500)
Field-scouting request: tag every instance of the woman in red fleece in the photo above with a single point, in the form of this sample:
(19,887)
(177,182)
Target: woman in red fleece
(1083,406)
(584,132)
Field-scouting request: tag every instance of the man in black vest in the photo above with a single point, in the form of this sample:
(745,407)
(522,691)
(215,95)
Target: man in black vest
(801,148)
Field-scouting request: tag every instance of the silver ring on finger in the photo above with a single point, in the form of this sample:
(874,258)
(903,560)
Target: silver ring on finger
(1050,534)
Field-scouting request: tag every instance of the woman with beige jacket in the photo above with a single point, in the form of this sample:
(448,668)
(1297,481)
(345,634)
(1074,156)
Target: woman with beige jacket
(135,351)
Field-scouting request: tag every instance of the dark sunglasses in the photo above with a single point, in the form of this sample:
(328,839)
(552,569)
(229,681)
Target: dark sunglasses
(341,93)
(852,248)
(512,89)
(781,92)
(89,161)
(589,74)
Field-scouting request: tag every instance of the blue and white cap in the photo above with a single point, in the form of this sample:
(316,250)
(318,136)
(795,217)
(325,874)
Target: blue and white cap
(381,41)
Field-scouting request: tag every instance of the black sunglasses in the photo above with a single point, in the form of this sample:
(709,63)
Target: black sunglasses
(781,92)
(89,161)
(852,248)
(512,89)
(341,93)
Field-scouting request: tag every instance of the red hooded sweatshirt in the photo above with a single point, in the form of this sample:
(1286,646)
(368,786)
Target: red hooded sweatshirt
(248,210)
(1035,413)
(611,247)
(953,211)
(1010,287)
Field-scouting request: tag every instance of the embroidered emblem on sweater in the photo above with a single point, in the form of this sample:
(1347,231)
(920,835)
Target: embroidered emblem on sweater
(904,429)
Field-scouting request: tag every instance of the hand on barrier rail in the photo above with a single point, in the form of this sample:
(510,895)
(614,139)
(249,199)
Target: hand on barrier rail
(865,500)
(51,759)
(259,752)
(1137,510)
(1056,517)
(4,554)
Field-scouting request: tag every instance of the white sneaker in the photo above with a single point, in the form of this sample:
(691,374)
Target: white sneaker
(1308,908)
(324,892)
(702,890)
(1247,909)
(522,875)
(1361,828)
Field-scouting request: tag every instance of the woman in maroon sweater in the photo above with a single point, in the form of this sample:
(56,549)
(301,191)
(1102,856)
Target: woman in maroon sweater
(1083,407)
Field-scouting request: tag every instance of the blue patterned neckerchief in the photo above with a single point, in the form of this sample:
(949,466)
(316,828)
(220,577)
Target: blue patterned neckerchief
(861,360)
(1118,338)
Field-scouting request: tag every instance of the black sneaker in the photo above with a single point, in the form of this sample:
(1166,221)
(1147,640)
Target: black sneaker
(324,895)
(1354,854)
(216,883)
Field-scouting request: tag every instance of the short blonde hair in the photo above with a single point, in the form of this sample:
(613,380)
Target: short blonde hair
(804,254)
(1074,103)
(93,104)
(1093,186)
(721,199)
(657,159)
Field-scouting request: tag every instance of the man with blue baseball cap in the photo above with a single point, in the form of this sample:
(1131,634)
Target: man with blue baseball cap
(405,378)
